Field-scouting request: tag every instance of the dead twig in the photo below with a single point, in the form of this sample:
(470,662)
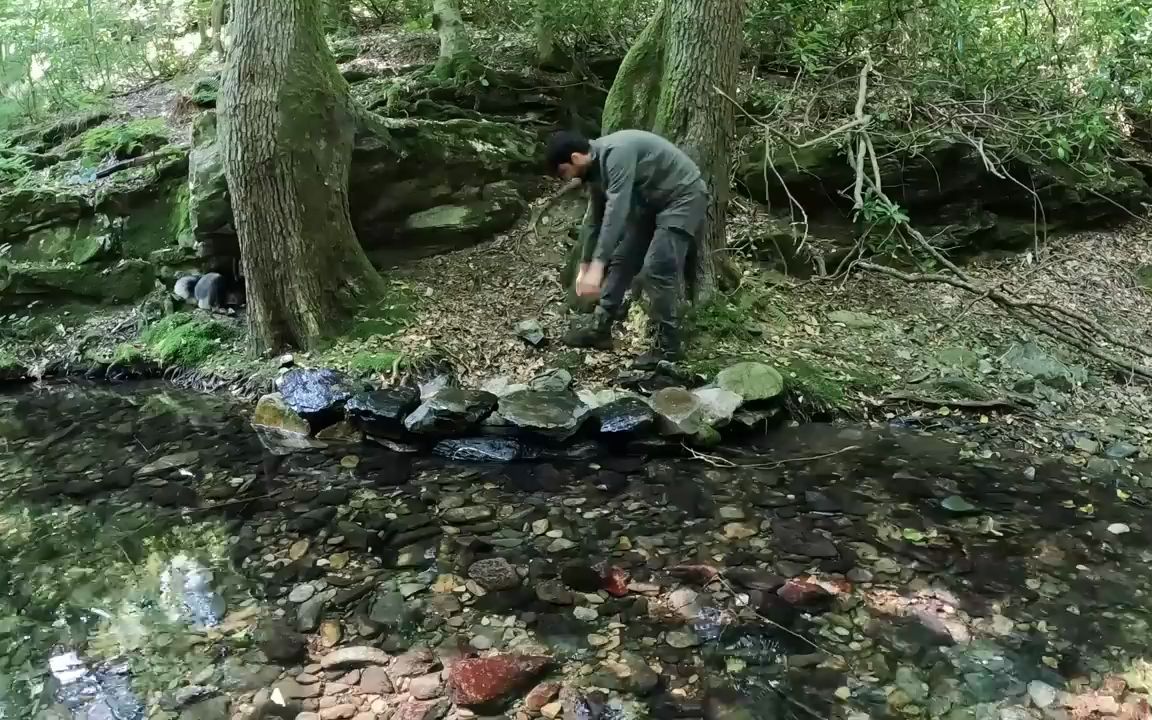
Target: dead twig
(996,404)
(718,461)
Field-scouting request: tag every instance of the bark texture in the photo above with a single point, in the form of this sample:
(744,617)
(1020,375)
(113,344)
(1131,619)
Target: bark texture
(286,130)
(456,57)
(665,84)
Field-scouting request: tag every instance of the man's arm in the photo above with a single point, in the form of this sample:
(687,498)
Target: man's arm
(590,231)
(620,171)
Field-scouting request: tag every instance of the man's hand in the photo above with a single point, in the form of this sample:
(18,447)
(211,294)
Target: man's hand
(589,279)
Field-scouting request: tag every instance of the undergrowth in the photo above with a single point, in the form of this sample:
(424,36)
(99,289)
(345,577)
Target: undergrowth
(122,141)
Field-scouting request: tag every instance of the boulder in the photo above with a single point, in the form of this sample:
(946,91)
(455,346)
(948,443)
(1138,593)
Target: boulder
(122,282)
(678,411)
(754,382)
(556,414)
(1032,360)
(25,210)
(490,680)
(629,415)
(719,405)
(273,413)
(473,215)
(316,394)
(494,574)
(382,412)
(451,411)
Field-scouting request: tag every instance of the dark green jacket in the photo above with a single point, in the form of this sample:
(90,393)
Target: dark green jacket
(637,170)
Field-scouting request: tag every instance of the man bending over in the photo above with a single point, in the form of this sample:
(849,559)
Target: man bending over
(647,204)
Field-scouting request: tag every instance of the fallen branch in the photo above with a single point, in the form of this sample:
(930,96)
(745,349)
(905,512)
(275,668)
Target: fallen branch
(718,461)
(997,404)
(138,161)
(570,186)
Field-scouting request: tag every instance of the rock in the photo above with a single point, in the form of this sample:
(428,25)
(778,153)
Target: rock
(272,412)
(554,592)
(316,394)
(1119,529)
(342,433)
(1032,360)
(426,687)
(685,603)
(1041,693)
(484,681)
(422,709)
(541,695)
(531,332)
(679,411)
(803,593)
(555,380)
(388,609)
(682,639)
(958,505)
(466,515)
(555,414)
(375,681)
(382,412)
(308,616)
(1121,450)
(627,415)
(494,574)
(170,462)
(343,711)
(417,661)
(278,642)
(501,386)
(122,282)
(753,381)
(209,208)
(210,709)
(456,225)
(719,405)
(851,319)
(636,675)
(755,579)
(586,614)
(479,449)
(451,411)
(355,656)
(301,592)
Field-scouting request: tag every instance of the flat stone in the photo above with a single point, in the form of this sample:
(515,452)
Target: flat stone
(300,593)
(1041,693)
(376,681)
(682,639)
(753,381)
(678,410)
(426,687)
(480,681)
(555,414)
(494,574)
(466,515)
(450,411)
(356,656)
(344,711)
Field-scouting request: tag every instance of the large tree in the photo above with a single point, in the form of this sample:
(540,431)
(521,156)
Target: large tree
(287,126)
(668,84)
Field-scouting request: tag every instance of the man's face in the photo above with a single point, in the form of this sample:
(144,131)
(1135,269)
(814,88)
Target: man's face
(575,167)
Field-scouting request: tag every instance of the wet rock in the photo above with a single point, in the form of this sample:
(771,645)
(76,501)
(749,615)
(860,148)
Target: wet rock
(541,695)
(382,412)
(581,577)
(755,579)
(301,592)
(554,592)
(278,642)
(355,656)
(314,520)
(1121,450)
(555,380)
(388,609)
(375,681)
(342,433)
(484,681)
(682,639)
(958,505)
(635,675)
(1032,360)
(170,462)
(494,574)
(678,411)
(1041,694)
(531,332)
(308,616)
(316,394)
(719,405)
(210,709)
(272,412)
(451,410)
(628,415)
(466,515)
(803,593)
(556,414)
(479,449)
(753,381)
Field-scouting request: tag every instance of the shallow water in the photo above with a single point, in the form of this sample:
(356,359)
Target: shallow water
(143,529)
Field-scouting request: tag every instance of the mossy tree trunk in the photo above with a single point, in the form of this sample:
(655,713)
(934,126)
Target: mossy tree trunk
(286,130)
(457,60)
(546,53)
(666,84)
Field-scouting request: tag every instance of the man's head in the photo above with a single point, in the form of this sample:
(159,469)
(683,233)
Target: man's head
(568,154)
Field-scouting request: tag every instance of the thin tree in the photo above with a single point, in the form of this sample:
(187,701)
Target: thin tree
(287,126)
(456,61)
(667,83)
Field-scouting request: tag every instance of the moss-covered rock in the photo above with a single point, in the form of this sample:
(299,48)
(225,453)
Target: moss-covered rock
(23,211)
(124,281)
(40,138)
(209,207)
(186,339)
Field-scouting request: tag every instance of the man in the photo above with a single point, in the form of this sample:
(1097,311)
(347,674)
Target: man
(647,203)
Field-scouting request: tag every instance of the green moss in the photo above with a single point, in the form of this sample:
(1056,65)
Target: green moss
(819,390)
(375,362)
(737,317)
(127,354)
(185,339)
(121,141)
(389,316)
(8,361)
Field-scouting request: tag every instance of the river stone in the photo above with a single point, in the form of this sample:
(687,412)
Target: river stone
(478,449)
(547,412)
(356,656)
(627,415)
(301,593)
(467,514)
(753,381)
(273,412)
(679,411)
(383,411)
(501,385)
(451,410)
(278,642)
(312,392)
(308,615)
(531,332)
(494,574)
(719,405)
(481,681)
(170,462)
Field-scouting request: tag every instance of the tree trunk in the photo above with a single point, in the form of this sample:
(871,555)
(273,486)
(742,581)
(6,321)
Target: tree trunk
(340,15)
(546,53)
(456,60)
(665,84)
(287,126)
(704,40)
(219,11)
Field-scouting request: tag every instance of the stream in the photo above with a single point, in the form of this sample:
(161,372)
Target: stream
(822,571)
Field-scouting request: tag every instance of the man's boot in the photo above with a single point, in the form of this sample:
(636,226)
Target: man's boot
(597,334)
(667,348)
